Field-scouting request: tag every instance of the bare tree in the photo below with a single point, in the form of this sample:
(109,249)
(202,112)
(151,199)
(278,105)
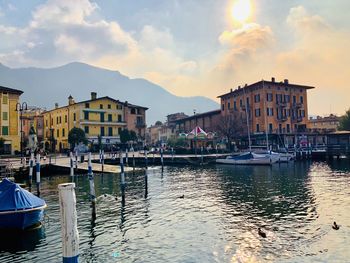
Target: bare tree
(232,126)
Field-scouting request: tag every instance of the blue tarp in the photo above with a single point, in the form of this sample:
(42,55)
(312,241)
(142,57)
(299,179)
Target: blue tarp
(13,197)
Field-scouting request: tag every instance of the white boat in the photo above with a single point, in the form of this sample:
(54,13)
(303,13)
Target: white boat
(248,158)
(279,157)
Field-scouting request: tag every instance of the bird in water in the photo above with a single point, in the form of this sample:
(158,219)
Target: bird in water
(261,233)
(335,226)
(182,196)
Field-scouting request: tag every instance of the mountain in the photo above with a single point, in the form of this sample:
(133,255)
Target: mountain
(45,87)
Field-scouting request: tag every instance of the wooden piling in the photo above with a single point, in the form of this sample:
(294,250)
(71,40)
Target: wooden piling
(38,174)
(126,157)
(31,165)
(69,226)
(71,164)
(92,185)
(122,178)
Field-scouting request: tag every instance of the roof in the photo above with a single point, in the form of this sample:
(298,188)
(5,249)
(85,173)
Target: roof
(200,115)
(9,90)
(261,82)
(101,98)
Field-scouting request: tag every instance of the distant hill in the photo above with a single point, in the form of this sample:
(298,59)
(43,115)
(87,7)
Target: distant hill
(45,87)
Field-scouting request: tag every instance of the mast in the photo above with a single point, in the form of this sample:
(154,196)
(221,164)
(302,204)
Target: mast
(265,114)
(246,114)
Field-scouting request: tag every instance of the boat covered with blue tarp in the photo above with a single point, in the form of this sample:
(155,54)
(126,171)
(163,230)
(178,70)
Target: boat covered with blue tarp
(19,208)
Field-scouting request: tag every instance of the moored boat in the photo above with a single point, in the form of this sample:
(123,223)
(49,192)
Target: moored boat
(19,209)
(247,158)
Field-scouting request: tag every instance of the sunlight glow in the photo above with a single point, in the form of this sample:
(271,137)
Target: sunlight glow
(241,10)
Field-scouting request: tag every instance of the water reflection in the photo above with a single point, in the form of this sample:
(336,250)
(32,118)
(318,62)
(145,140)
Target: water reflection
(215,221)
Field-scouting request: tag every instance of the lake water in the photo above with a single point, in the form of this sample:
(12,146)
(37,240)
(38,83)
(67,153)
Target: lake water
(216,221)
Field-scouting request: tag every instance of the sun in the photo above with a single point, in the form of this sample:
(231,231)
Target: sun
(241,10)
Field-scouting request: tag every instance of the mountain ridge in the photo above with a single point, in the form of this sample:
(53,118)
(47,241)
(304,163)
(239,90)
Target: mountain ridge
(79,79)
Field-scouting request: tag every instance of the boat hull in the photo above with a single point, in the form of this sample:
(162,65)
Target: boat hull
(21,219)
(247,159)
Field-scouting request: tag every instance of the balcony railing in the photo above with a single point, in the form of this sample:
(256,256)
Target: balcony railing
(282,118)
(297,105)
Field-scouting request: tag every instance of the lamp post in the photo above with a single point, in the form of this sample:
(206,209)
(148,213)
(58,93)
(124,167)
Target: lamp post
(20,108)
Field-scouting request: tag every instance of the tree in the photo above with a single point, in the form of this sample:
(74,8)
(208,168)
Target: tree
(124,136)
(76,136)
(344,124)
(99,142)
(133,136)
(158,123)
(232,126)
(177,142)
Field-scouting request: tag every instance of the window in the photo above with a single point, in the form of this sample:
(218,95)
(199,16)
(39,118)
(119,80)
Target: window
(257,128)
(222,107)
(119,118)
(257,112)
(58,133)
(87,105)
(60,119)
(4,99)
(57,120)
(269,97)
(269,111)
(110,131)
(301,99)
(288,128)
(234,105)
(133,111)
(86,115)
(119,130)
(240,103)
(63,133)
(74,116)
(257,98)
(270,127)
(294,99)
(102,131)
(5,130)
(280,128)
(109,117)
(109,106)
(102,117)
(101,106)
(4,116)
(86,129)
(65,118)
(228,105)
(286,98)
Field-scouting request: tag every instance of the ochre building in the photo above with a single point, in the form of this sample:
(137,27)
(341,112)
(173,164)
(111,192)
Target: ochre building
(9,119)
(279,107)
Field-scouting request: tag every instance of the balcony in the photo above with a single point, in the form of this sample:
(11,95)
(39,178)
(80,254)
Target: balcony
(140,124)
(282,118)
(297,105)
(105,123)
(281,104)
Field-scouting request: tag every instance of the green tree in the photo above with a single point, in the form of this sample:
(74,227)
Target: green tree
(133,136)
(344,124)
(76,136)
(124,136)
(177,142)
(99,142)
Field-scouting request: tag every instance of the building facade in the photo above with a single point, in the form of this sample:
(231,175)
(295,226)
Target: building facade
(275,107)
(9,119)
(208,121)
(135,117)
(104,116)
(324,124)
(32,117)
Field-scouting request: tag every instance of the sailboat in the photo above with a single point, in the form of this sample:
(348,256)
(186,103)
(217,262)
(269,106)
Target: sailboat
(248,158)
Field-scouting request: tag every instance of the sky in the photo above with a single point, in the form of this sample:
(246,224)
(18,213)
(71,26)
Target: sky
(190,47)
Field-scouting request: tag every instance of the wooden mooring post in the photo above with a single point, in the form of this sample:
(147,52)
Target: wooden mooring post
(71,163)
(122,177)
(31,167)
(69,225)
(92,186)
(37,168)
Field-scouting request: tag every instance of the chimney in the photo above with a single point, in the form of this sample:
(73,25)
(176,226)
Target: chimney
(126,103)
(239,87)
(70,100)
(56,105)
(286,81)
(93,95)
(231,90)
(273,79)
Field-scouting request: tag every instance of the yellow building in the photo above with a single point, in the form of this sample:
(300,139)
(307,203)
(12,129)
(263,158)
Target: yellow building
(98,116)
(9,119)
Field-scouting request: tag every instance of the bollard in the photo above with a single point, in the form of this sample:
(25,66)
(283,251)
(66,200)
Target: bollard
(161,158)
(69,226)
(126,157)
(103,160)
(31,164)
(202,155)
(38,174)
(146,184)
(92,185)
(71,164)
(76,159)
(122,175)
(100,156)
(133,157)
(146,159)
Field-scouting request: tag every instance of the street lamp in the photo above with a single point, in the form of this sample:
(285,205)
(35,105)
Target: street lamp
(20,108)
